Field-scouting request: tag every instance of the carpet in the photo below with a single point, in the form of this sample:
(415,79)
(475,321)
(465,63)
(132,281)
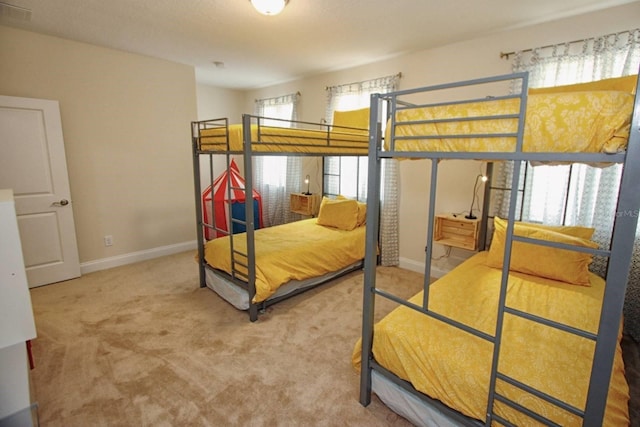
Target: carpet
(144,345)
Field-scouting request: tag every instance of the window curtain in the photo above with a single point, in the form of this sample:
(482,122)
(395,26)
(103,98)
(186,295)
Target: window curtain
(590,192)
(277,176)
(354,96)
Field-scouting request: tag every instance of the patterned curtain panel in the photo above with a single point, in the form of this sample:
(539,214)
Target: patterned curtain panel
(579,194)
(277,176)
(354,96)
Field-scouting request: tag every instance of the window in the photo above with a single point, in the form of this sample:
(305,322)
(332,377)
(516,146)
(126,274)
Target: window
(348,176)
(274,168)
(277,176)
(578,193)
(568,193)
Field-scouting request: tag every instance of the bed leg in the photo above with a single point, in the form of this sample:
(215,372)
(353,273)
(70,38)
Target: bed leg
(253,312)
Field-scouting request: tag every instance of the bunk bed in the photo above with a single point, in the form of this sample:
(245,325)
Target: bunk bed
(258,267)
(507,337)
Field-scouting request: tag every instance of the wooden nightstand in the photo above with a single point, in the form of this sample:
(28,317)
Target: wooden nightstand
(456,231)
(304,204)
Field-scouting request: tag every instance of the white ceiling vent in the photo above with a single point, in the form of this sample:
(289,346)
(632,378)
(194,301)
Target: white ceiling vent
(16,13)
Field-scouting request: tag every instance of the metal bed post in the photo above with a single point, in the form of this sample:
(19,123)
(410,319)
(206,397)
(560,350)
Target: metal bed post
(625,224)
(430,223)
(198,195)
(370,260)
(508,241)
(486,203)
(248,199)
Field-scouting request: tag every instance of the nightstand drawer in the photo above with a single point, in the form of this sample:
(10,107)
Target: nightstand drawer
(459,232)
(304,204)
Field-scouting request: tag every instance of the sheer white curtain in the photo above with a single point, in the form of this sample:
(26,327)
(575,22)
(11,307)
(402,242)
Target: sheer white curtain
(354,96)
(590,192)
(277,176)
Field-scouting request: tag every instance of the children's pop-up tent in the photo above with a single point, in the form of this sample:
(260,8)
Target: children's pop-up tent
(221,199)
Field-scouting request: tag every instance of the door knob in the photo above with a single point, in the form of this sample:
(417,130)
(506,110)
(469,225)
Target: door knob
(63,202)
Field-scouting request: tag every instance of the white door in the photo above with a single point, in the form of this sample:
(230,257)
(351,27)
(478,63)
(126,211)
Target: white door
(33,164)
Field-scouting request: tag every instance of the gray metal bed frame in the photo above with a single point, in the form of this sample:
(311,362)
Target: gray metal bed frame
(619,254)
(247,260)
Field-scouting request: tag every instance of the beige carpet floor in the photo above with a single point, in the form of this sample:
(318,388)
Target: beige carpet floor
(143,345)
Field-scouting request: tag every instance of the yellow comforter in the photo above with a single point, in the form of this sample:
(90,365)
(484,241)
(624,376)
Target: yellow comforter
(454,367)
(568,122)
(277,139)
(295,251)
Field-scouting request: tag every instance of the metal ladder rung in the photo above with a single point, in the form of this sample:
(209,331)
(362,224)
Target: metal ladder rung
(213,227)
(556,325)
(502,421)
(237,252)
(526,411)
(236,274)
(565,246)
(537,393)
(235,264)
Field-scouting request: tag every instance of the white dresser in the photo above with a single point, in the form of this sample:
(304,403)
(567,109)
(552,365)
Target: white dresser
(16,321)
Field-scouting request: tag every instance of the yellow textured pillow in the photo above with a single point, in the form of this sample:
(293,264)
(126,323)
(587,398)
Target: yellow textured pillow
(362,211)
(569,230)
(362,214)
(553,263)
(354,119)
(624,84)
(342,213)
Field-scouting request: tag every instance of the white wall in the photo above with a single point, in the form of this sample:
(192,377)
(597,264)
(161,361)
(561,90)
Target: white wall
(125,122)
(465,60)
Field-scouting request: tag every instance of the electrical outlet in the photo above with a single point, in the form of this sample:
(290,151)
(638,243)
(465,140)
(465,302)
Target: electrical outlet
(108,240)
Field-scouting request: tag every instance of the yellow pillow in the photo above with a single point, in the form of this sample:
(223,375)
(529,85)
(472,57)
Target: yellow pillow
(624,84)
(354,119)
(342,214)
(544,261)
(569,230)
(362,211)
(362,214)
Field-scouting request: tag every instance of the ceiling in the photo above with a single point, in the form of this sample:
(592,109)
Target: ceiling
(307,38)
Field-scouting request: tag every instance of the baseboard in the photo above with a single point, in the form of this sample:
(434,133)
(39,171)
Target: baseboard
(418,267)
(130,258)
(438,268)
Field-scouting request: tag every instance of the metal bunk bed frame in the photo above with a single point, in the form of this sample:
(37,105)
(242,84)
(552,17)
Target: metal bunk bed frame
(619,256)
(239,260)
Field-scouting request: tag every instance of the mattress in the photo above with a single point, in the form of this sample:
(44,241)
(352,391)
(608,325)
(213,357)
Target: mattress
(239,298)
(288,140)
(295,251)
(454,367)
(409,406)
(565,122)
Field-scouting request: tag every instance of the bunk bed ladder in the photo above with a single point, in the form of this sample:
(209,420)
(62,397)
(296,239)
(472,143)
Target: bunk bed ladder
(619,256)
(503,309)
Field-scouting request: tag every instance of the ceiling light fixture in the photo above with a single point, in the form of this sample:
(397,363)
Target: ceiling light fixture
(269,7)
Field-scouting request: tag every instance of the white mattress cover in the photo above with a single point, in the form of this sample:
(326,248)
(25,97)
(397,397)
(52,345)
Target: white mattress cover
(239,298)
(405,404)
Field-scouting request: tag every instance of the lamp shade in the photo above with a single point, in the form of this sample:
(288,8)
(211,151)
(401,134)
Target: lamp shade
(269,7)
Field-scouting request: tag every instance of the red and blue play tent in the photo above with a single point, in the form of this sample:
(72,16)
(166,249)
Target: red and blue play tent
(221,202)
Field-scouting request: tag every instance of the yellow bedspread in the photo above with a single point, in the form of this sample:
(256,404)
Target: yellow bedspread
(568,122)
(454,367)
(295,251)
(277,139)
